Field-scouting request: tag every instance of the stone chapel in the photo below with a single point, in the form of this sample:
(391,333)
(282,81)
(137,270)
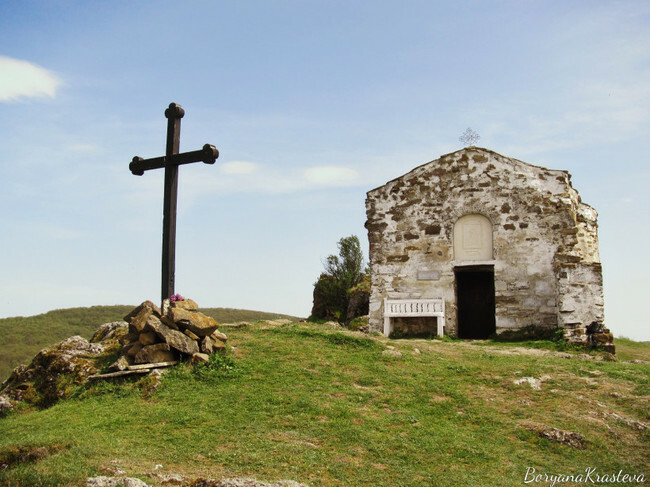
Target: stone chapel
(475,243)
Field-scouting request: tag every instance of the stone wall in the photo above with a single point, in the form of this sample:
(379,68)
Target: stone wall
(544,240)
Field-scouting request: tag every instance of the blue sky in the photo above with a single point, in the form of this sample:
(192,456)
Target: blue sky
(311,104)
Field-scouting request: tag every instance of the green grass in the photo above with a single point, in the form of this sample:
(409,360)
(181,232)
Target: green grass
(627,349)
(22,337)
(325,407)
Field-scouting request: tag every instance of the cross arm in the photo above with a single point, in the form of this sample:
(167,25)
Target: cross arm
(208,154)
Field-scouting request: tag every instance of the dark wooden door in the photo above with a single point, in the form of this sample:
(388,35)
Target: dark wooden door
(475,302)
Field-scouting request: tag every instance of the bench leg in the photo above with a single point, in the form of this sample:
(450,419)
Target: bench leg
(387,329)
(439,325)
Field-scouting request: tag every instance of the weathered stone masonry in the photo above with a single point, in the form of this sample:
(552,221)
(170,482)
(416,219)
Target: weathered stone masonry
(523,224)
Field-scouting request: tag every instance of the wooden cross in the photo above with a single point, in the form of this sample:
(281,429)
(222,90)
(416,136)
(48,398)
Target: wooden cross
(170,162)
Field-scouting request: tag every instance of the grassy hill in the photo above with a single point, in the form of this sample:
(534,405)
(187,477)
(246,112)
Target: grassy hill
(22,337)
(327,407)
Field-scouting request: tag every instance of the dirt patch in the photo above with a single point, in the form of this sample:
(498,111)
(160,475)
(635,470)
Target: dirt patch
(440,346)
(16,455)
(568,438)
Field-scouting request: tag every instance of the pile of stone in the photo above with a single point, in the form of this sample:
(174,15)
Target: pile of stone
(596,335)
(177,332)
(600,337)
(150,339)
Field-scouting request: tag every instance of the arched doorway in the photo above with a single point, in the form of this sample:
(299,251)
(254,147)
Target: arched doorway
(475,302)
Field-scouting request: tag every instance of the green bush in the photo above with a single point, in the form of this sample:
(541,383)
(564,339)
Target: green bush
(343,274)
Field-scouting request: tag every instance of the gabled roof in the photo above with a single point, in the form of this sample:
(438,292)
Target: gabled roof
(473,149)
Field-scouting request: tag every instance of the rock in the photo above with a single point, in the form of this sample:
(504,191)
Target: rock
(138,317)
(241,324)
(171,479)
(107,331)
(534,383)
(147,338)
(198,323)
(217,335)
(76,345)
(206,345)
(120,364)
(638,425)
(243,482)
(602,338)
(139,321)
(192,335)
(570,438)
(173,338)
(212,344)
(186,304)
(610,356)
(160,352)
(596,327)
(392,353)
(5,405)
(218,346)
(128,338)
(132,349)
(199,358)
(114,482)
(138,309)
(638,361)
(54,373)
(166,305)
(169,322)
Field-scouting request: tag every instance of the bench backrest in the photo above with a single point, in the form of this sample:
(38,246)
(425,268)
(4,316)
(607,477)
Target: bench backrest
(414,307)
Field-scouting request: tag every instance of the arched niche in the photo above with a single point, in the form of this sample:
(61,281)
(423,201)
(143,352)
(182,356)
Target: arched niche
(473,238)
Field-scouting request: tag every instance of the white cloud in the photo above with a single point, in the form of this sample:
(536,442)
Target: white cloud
(239,167)
(261,178)
(330,175)
(22,79)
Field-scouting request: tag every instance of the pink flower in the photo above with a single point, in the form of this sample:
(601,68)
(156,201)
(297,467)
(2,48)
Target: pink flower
(176,297)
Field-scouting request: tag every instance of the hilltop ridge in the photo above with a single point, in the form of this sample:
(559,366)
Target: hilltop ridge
(22,337)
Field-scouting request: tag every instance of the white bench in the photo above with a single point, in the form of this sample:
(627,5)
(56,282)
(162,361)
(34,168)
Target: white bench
(414,308)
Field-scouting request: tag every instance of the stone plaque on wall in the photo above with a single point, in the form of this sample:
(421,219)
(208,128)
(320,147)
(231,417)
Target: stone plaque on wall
(428,275)
(473,238)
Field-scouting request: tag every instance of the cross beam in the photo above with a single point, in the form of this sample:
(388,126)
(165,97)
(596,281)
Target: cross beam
(208,154)
(170,161)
